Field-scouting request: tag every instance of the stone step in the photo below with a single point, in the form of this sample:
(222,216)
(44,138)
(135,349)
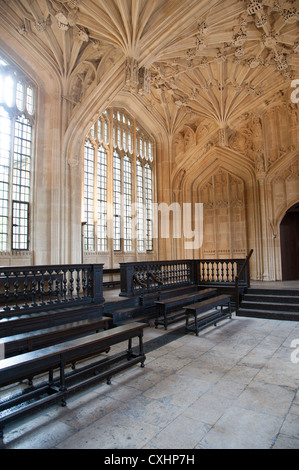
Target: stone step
(266,291)
(280,304)
(268,314)
(277,298)
(267,305)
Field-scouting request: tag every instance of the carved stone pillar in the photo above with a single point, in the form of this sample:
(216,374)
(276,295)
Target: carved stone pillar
(75,234)
(264,231)
(294,125)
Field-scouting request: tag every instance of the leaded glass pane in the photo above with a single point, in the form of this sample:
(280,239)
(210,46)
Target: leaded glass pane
(116,201)
(127,204)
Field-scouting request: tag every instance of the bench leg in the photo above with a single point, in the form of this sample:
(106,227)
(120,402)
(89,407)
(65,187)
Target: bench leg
(196,324)
(62,380)
(221,310)
(51,376)
(165,320)
(141,352)
(157,316)
(129,350)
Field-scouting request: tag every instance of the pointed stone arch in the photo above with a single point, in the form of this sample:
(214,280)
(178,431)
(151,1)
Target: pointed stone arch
(282,184)
(289,243)
(224,181)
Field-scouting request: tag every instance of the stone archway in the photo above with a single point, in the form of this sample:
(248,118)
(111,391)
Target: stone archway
(289,244)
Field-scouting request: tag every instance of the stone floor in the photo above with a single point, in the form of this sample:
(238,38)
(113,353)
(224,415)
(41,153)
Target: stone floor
(233,387)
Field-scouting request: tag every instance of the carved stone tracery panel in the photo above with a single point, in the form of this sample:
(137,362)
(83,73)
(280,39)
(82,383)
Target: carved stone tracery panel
(223,197)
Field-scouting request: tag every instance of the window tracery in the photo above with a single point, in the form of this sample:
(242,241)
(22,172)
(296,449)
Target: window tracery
(116,137)
(17,114)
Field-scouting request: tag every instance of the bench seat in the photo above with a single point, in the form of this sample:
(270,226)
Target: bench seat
(17,322)
(111,283)
(56,357)
(202,315)
(32,340)
(164,307)
(160,294)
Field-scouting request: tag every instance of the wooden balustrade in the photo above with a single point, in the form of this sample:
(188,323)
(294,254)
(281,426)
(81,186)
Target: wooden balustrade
(218,271)
(37,288)
(140,277)
(43,287)
(136,277)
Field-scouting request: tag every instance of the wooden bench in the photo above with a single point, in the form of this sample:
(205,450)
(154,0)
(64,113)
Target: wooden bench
(147,300)
(32,340)
(202,317)
(112,282)
(16,322)
(56,357)
(164,307)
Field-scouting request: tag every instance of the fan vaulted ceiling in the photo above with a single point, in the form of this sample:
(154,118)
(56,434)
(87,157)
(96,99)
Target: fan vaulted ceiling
(185,60)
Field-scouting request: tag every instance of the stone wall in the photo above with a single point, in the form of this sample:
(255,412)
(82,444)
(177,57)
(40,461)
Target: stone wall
(246,184)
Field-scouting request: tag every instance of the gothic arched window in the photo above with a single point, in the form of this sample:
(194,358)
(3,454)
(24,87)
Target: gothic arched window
(17,112)
(123,189)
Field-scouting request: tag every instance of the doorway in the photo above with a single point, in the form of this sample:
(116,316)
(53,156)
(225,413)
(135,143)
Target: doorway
(289,244)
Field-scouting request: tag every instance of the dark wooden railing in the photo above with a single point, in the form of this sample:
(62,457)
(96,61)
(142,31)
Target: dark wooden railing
(36,288)
(141,277)
(244,277)
(138,277)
